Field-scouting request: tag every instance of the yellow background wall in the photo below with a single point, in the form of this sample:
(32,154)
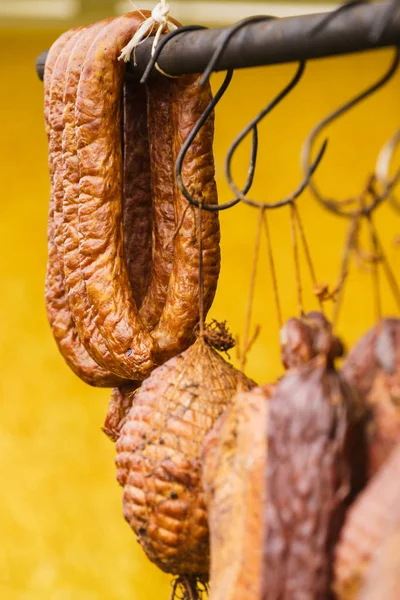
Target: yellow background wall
(62,534)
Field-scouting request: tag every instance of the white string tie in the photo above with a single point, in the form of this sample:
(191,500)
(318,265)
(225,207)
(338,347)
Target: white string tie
(160,16)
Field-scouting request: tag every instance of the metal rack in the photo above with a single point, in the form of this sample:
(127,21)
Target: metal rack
(274,41)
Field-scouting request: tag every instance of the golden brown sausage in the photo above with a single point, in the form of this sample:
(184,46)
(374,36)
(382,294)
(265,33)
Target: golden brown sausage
(174,331)
(110,308)
(58,312)
(98,119)
(69,245)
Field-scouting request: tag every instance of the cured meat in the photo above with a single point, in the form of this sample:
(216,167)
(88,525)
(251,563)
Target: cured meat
(158,456)
(175,330)
(59,315)
(234,464)
(102,258)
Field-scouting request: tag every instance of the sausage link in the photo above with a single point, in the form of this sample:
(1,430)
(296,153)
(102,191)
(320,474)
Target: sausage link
(60,319)
(74,281)
(174,331)
(98,119)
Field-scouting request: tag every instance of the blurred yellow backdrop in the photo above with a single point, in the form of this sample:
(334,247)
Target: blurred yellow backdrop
(62,534)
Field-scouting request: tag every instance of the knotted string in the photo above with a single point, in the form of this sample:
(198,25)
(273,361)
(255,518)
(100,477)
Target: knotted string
(160,16)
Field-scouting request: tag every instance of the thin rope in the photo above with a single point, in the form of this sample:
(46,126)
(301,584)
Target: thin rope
(187,587)
(307,253)
(246,341)
(387,268)
(295,247)
(375,269)
(349,244)
(179,226)
(273,272)
(201,272)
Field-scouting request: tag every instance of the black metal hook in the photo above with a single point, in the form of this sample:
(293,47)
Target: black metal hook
(253,123)
(222,44)
(330,203)
(188,142)
(179,162)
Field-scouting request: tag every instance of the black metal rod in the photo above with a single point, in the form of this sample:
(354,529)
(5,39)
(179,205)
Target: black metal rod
(271,42)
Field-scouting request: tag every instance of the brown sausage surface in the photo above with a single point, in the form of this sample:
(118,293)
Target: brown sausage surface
(98,119)
(74,281)
(174,331)
(163,190)
(308,478)
(58,312)
(56,113)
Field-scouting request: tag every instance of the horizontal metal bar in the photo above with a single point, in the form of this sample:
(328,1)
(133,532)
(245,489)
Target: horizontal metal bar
(271,42)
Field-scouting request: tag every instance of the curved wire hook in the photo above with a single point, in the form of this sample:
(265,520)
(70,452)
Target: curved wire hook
(188,142)
(383,165)
(253,123)
(222,44)
(330,203)
(162,42)
(217,97)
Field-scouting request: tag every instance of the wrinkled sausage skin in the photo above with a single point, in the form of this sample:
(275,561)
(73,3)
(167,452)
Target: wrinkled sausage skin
(180,316)
(163,193)
(60,319)
(102,259)
(74,282)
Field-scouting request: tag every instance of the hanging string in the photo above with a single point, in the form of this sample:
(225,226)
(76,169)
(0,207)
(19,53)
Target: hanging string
(201,273)
(247,342)
(307,253)
(273,271)
(349,245)
(375,268)
(180,224)
(188,587)
(296,260)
